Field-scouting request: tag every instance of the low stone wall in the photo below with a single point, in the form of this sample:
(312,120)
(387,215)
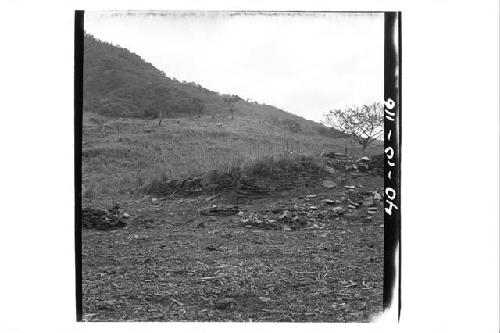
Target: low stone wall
(308,173)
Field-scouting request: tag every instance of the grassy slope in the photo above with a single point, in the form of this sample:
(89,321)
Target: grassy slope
(131,151)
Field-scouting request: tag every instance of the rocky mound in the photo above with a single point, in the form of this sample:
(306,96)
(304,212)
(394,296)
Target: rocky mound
(103,219)
(312,212)
(345,163)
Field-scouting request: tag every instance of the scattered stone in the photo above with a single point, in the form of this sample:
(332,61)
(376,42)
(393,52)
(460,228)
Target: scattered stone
(350,187)
(313,207)
(212,197)
(377,196)
(364,159)
(264,299)
(154,200)
(328,201)
(363,167)
(252,187)
(330,170)
(102,219)
(126,215)
(330,154)
(351,206)
(329,183)
(285,220)
(311,196)
(221,210)
(352,203)
(338,209)
(287,215)
(368,202)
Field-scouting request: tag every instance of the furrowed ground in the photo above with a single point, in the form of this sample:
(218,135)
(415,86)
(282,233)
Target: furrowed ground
(171,263)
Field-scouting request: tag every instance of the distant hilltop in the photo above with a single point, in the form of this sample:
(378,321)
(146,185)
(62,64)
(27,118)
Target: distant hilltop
(120,84)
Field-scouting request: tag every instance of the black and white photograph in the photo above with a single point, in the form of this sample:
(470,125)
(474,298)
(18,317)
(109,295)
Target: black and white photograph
(233,166)
(239,166)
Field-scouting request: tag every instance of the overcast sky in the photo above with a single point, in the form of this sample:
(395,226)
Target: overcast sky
(306,64)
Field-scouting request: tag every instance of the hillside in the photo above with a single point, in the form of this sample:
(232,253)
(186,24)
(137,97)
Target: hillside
(120,84)
(125,146)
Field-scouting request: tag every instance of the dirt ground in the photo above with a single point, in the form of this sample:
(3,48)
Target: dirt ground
(172,264)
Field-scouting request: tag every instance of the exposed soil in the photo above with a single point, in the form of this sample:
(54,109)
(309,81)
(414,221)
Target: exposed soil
(173,263)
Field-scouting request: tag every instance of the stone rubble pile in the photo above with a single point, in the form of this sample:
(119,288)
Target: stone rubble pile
(249,186)
(285,219)
(338,162)
(312,212)
(186,186)
(103,219)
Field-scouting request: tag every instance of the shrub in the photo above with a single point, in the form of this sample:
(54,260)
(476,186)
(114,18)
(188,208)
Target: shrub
(157,183)
(260,167)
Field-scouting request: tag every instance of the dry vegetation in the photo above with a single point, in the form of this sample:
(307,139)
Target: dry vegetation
(122,156)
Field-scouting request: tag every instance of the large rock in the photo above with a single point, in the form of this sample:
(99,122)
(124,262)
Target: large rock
(330,169)
(328,183)
(220,210)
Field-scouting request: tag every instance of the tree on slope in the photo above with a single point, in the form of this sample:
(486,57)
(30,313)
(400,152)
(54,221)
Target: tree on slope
(364,123)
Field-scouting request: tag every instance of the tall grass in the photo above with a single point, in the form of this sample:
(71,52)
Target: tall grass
(122,160)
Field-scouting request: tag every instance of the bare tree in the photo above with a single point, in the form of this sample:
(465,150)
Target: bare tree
(364,124)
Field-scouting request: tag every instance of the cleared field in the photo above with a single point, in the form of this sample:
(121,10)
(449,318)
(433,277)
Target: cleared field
(173,264)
